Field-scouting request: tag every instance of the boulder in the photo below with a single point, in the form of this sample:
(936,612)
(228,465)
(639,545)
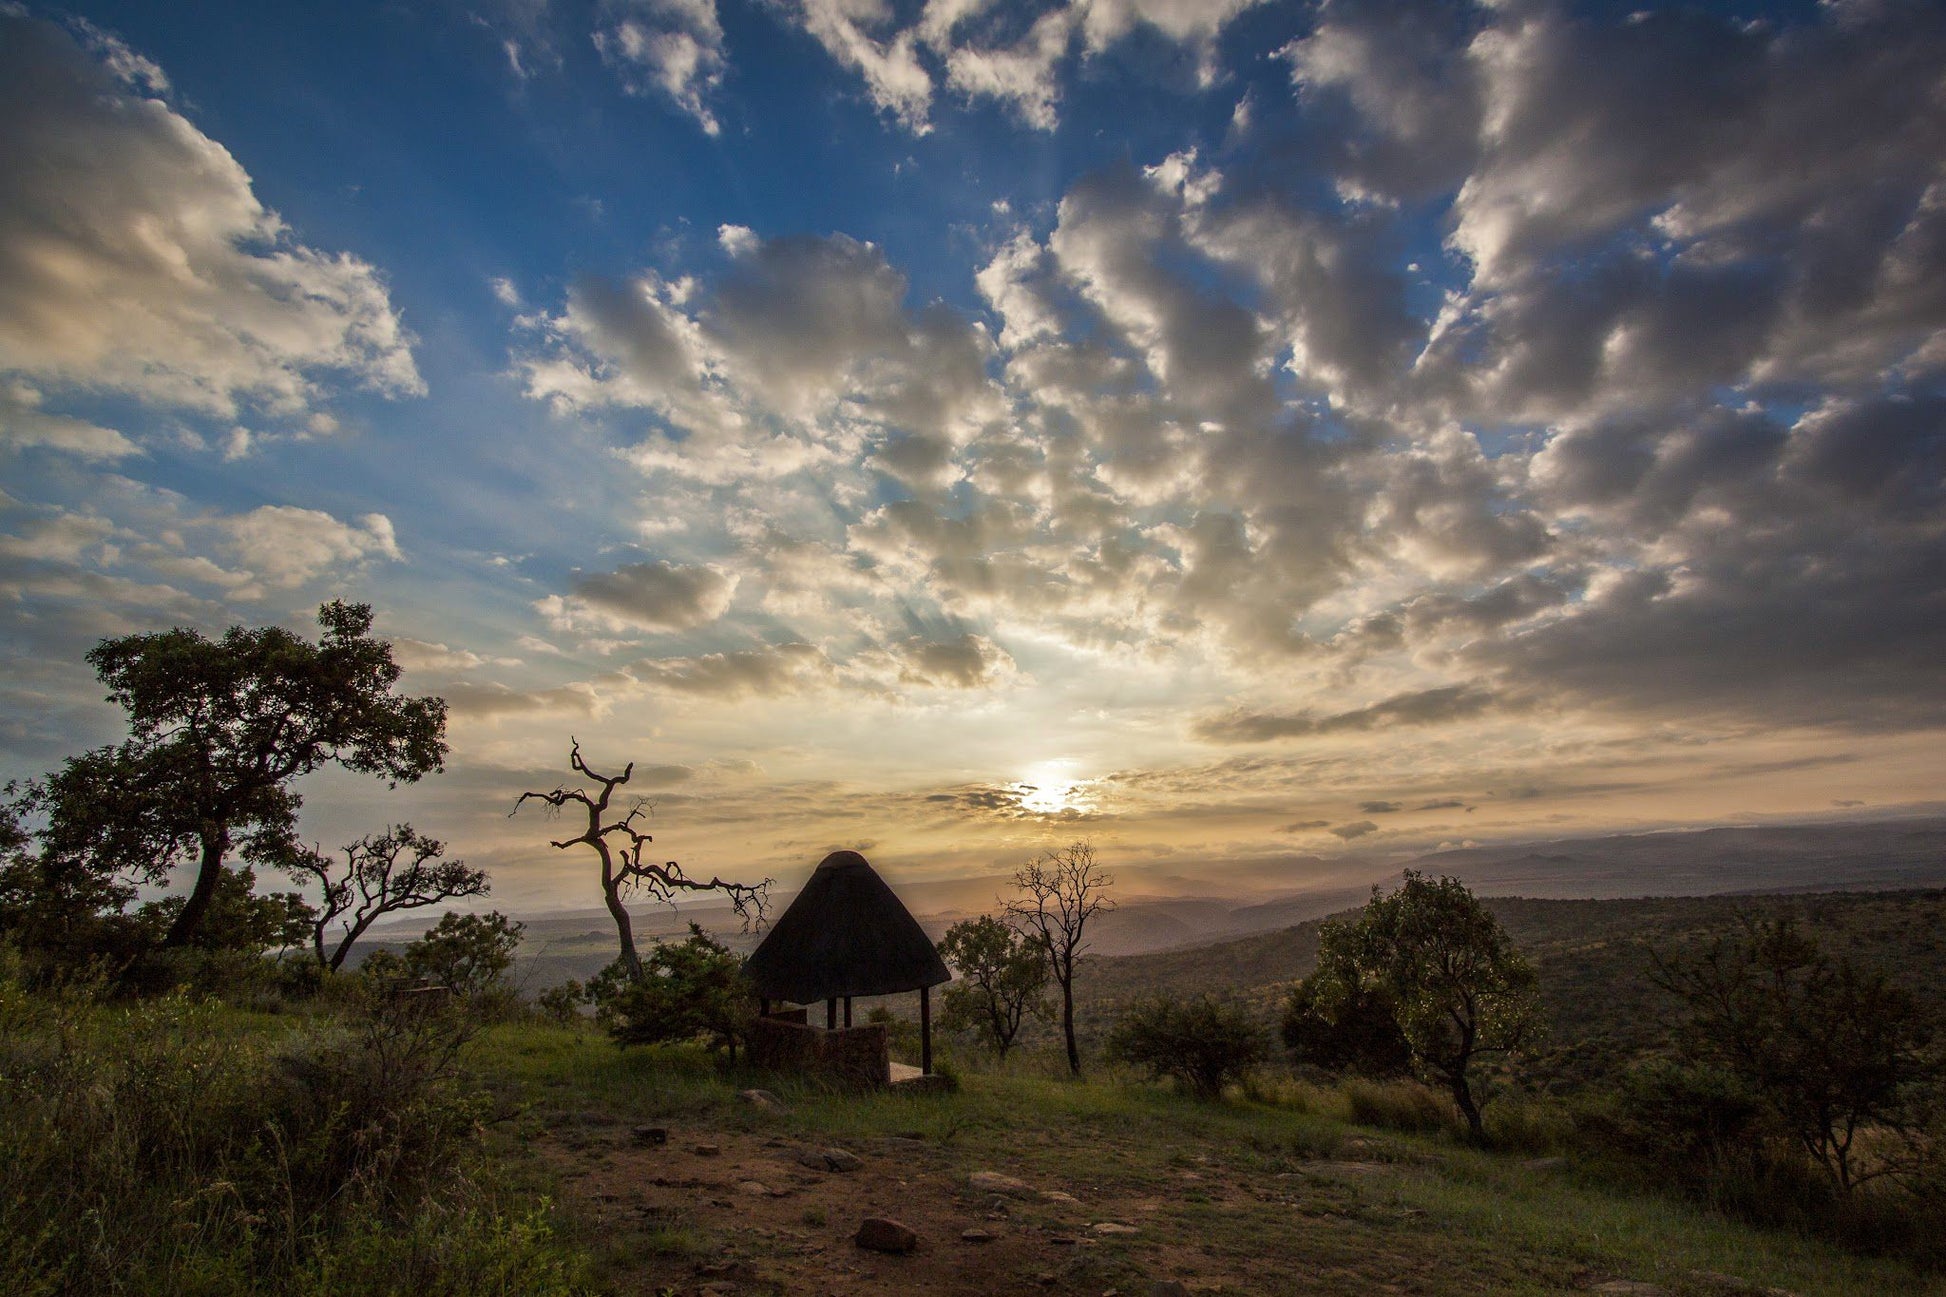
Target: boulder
(1004,1185)
(877,1234)
(763,1101)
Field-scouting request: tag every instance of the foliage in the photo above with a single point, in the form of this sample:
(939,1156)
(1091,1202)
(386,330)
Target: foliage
(688,990)
(1202,1043)
(219,729)
(1339,1026)
(562,1004)
(1060,892)
(175,1147)
(1832,1051)
(1460,991)
(619,845)
(383,873)
(64,916)
(1000,977)
(468,953)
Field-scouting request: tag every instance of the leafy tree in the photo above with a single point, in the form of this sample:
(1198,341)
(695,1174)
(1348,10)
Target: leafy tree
(1061,891)
(1203,1044)
(467,952)
(1344,1026)
(1461,992)
(219,729)
(1832,1050)
(383,873)
(1001,976)
(60,911)
(619,844)
(238,920)
(687,989)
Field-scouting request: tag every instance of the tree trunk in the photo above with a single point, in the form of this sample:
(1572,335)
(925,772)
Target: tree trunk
(624,927)
(183,930)
(1067,1022)
(1463,1096)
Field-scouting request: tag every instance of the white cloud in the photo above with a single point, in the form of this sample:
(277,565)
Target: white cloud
(660,596)
(673,46)
(135,257)
(288,546)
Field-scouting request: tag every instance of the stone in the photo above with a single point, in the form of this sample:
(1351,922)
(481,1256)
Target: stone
(877,1234)
(1005,1185)
(1055,1195)
(755,1188)
(651,1135)
(829,1159)
(977,1235)
(1062,1240)
(1111,1227)
(763,1101)
(707,1150)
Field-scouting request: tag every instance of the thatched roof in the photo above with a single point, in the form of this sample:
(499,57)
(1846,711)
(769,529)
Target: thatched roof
(845,934)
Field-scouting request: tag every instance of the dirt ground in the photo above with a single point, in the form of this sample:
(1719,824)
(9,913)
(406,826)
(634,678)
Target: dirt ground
(722,1212)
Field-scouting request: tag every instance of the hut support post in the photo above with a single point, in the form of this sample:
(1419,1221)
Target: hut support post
(847,1010)
(925,1030)
(831,1014)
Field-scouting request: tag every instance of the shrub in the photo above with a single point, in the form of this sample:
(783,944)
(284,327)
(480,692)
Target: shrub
(562,1003)
(1203,1044)
(1405,1106)
(690,989)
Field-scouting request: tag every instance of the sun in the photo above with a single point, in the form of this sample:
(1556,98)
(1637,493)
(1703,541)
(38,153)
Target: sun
(1050,788)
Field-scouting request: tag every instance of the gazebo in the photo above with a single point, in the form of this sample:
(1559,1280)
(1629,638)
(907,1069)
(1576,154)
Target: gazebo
(847,934)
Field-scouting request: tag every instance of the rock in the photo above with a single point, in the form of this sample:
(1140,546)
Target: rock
(1005,1185)
(1108,1227)
(828,1159)
(1055,1195)
(977,1235)
(755,1188)
(763,1101)
(707,1150)
(651,1135)
(1062,1240)
(877,1234)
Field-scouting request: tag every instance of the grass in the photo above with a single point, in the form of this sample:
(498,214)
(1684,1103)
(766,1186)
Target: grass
(1289,1172)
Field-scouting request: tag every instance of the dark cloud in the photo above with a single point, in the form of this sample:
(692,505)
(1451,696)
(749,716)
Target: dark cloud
(1304,826)
(1355,829)
(1381,808)
(659,596)
(1422,707)
(745,673)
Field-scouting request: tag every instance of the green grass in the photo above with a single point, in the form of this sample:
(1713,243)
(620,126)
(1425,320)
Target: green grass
(1239,1180)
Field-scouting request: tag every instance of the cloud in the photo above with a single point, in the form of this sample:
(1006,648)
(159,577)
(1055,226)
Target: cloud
(659,596)
(23,423)
(854,32)
(766,672)
(966,661)
(287,546)
(672,46)
(1304,826)
(1356,829)
(486,701)
(135,257)
(1441,705)
(1381,808)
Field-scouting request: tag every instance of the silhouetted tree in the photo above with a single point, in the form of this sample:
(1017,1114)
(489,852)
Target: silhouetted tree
(687,989)
(1062,890)
(467,953)
(1340,1026)
(381,874)
(1000,976)
(218,731)
(1460,991)
(619,843)
(1830,1049)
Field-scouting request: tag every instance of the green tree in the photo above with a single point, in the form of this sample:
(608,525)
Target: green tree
(1060,892)
(687,990)
(239,919)
(1203,1043)
(1461,992)
(1000,979)
(1831,1049)
(1345,1026)
(61,912)
(383,873)
(469,953)
(219,729)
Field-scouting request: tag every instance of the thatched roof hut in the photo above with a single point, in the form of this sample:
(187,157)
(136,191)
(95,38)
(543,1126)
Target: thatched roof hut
(846,934)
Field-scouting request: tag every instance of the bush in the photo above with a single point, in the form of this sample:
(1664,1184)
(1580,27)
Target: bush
(689,990)
(1202,1044)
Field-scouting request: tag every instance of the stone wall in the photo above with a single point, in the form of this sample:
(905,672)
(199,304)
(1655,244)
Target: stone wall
(855,1058)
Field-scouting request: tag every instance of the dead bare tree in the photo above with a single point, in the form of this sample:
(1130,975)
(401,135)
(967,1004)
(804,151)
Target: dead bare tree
(382,873)
(1062,891)
(619,844)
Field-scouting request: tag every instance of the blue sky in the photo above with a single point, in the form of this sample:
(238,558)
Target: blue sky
(1264,438)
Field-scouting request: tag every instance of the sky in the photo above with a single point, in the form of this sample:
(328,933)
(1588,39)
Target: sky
(1253,437)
